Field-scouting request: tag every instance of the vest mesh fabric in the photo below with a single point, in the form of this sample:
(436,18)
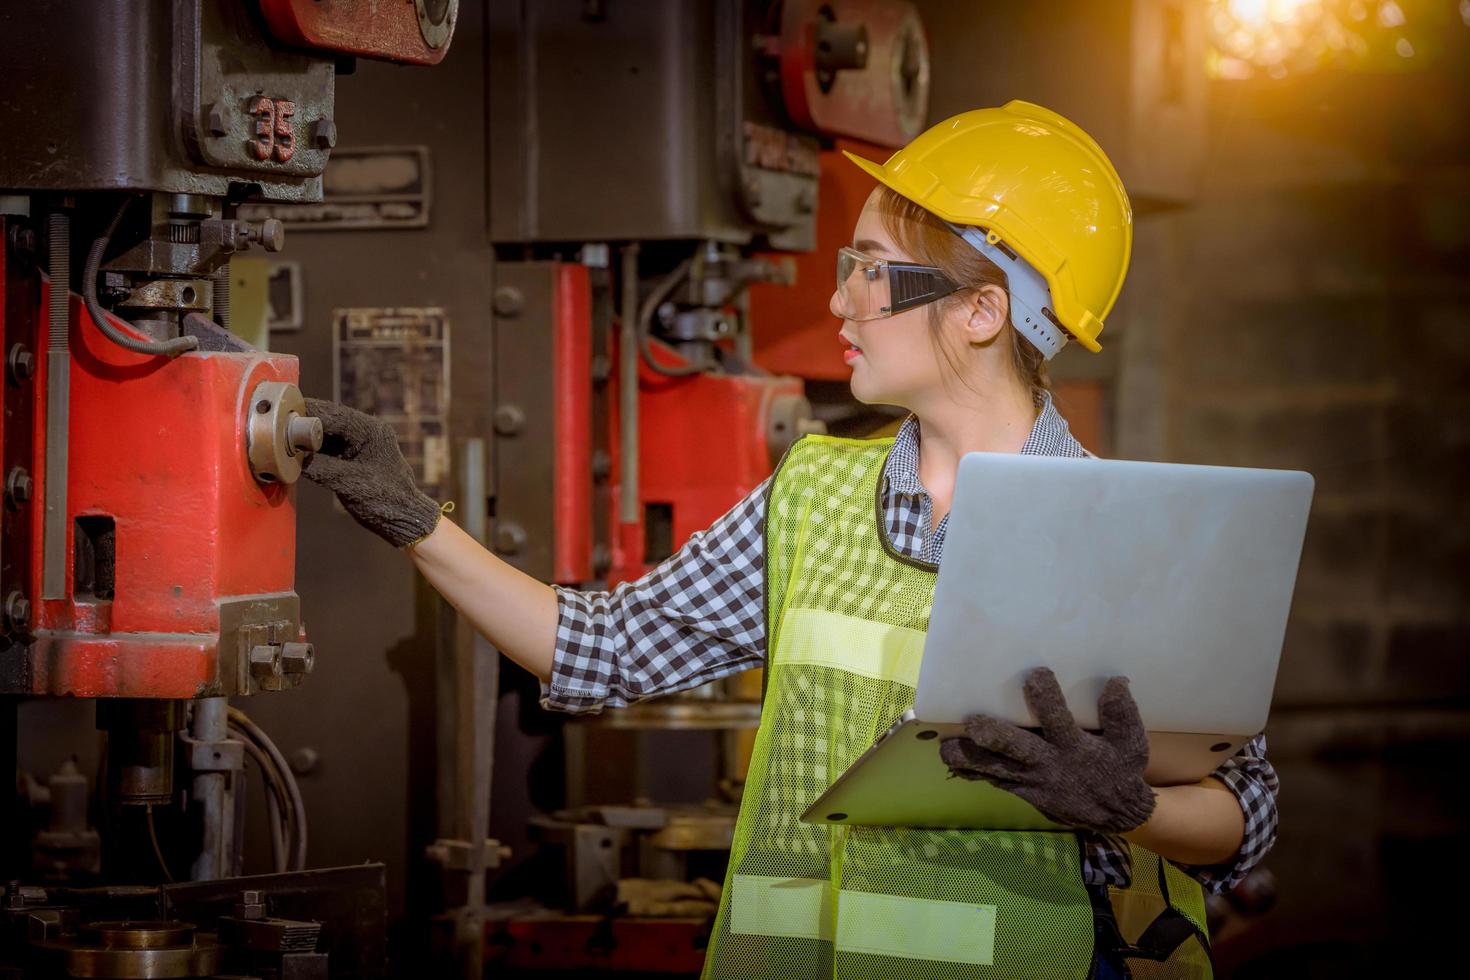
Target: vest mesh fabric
(821,901)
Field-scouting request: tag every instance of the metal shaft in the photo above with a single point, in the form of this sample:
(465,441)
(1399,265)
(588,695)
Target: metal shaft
(58,406)
(214,795)
(628,387)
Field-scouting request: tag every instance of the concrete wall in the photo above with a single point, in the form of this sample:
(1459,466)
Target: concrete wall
(1312,310)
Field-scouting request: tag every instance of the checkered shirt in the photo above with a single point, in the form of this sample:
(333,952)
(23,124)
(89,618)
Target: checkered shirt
(700,615)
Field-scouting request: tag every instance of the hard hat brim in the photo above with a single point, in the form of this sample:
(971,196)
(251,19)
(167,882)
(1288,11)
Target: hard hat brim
(879,173)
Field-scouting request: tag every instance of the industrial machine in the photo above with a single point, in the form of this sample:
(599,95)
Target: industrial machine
(648,164)
(148,551)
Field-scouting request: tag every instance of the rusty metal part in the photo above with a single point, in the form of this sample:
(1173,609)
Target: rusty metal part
(857,68)
(164,112)
(124,949)
(417,33)
(170,294)
(280,434)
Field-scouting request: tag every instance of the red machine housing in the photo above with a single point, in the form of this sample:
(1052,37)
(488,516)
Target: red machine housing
(398,31)
(705,442)
(203,556)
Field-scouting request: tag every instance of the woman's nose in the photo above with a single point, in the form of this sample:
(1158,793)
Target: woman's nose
(835,305)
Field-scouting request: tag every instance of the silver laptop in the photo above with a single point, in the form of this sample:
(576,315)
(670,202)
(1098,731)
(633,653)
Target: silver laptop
(1178,577)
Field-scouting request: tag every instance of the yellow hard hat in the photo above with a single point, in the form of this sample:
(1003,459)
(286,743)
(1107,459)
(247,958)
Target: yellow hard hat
(1039,186)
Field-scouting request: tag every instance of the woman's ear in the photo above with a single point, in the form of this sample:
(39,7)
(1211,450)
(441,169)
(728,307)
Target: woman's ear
(987,310)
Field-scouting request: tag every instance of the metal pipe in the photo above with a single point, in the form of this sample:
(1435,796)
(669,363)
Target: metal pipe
(58,405)
(214,792)
(629,510)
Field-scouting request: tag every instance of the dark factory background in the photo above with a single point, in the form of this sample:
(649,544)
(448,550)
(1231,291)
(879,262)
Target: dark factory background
(1299,297)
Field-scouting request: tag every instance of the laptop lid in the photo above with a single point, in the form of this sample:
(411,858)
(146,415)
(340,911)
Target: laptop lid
(1179,577)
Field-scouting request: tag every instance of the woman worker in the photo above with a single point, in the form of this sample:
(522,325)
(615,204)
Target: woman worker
(991,241)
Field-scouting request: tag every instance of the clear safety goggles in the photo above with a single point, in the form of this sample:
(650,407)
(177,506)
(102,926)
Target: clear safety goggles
(870,288)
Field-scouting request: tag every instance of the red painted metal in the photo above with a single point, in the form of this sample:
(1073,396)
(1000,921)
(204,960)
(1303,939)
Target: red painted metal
(387,31)
(159,446)
(862,103)
(793,330)
(703,445)
(572,378)
(592,943)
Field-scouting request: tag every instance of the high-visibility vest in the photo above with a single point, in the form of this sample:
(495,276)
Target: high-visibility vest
(846,617)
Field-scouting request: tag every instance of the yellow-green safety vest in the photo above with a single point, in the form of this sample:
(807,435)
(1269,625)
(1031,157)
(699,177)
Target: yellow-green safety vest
(846,616)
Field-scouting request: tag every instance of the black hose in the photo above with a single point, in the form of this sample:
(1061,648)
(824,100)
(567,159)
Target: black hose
(645,325)
(161,348)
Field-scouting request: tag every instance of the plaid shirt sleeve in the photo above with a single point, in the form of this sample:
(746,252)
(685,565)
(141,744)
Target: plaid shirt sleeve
(698,616)
(1254,782)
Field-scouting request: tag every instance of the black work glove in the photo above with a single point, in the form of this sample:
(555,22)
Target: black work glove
(360,462)
(1072,776)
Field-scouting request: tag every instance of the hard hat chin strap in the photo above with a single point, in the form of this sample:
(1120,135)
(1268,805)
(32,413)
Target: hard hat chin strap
(1030,296)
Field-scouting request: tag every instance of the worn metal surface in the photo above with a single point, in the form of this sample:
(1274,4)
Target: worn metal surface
(280,435)
(364,187)
(147,592)
(672,86)
(543,446)
(419,32)
(393,363)
(886,100)
(371,705)
(188,69)
(216,762)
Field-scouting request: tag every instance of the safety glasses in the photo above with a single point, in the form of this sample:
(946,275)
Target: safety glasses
(870,288)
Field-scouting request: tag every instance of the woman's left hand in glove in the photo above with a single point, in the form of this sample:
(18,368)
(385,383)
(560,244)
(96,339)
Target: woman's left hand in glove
(1074,777)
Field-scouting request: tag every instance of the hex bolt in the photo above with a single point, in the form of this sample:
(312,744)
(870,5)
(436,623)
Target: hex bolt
(21,364)
(17,610)
(297,658)
(18,487)
(325,134)
(304,434)
(251,905)
(265,661)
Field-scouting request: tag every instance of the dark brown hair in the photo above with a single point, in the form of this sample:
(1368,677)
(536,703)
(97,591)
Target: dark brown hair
(931,242)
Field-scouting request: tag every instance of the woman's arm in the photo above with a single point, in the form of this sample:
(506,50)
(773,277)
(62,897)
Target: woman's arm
(512,610)
(1248,782)
(1197,824)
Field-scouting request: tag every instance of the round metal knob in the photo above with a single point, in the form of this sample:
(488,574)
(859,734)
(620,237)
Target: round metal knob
(304,434)
(271,235)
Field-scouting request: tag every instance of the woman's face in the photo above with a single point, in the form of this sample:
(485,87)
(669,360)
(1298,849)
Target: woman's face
(893,359)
